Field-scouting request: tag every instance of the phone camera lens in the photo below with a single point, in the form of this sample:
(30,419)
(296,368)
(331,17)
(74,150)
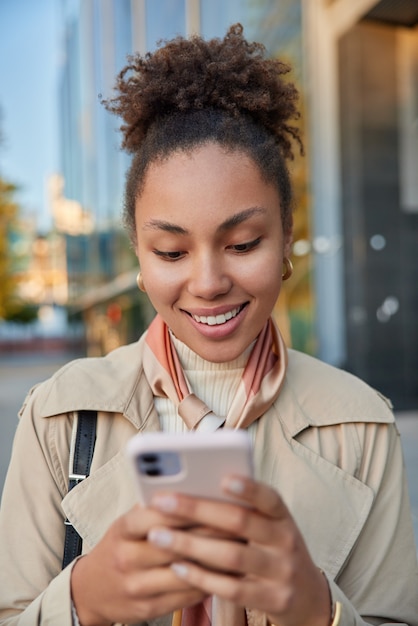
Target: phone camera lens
(149,464)
(149,457)
(152,471)
(163,463)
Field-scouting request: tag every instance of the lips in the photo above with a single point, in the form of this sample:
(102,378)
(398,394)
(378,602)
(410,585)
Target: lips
(217,320)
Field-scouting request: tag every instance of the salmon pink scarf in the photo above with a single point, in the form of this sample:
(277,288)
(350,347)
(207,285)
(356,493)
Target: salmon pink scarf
(259,387)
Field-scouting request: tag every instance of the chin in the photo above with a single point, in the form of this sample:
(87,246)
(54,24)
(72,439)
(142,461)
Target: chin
(219,353)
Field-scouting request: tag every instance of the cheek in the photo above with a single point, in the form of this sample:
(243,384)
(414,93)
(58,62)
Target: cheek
(264,275)
(268,288)
(161,283)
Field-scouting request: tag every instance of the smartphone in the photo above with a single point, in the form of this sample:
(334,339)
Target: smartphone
(192,463)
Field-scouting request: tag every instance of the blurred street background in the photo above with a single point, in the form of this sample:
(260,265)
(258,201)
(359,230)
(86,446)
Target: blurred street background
(67,270)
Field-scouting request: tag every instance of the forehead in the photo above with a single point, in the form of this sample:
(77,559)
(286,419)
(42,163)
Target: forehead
(204,193)
(210,158)
(205,175)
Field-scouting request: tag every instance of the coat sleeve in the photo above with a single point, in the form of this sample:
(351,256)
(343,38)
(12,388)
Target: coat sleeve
(33,589)
(379,582)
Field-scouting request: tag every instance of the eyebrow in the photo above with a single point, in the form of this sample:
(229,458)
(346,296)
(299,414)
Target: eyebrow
(228,224)
(168,227)
(240,217)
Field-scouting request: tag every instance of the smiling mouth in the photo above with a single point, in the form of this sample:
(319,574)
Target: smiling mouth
(217,320)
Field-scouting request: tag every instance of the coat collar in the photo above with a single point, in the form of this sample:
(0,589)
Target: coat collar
(112,384)
(304,404)
(116,384)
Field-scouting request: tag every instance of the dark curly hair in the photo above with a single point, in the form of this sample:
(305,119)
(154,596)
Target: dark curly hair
(190,92)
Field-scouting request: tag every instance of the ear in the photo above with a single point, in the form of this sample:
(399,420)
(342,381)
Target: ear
(287,243)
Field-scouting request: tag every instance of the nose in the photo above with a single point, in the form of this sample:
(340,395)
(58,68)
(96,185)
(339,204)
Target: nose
(209,277)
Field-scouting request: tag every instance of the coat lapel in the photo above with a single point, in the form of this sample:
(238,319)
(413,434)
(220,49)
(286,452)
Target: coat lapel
(329,505)
(330,508)
(93,505)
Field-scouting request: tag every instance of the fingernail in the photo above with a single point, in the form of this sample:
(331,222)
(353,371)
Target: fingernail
(166,503)
(180,569)
(160,537)
(235,485)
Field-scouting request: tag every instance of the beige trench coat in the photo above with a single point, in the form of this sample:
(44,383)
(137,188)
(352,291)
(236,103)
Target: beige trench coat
(329,446)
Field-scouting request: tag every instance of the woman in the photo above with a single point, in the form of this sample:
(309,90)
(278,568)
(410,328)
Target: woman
(327,538)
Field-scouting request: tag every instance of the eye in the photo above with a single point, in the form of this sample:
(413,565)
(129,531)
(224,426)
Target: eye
(245,247)
(169,256)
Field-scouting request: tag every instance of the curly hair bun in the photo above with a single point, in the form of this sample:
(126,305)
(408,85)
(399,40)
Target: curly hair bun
(184,75)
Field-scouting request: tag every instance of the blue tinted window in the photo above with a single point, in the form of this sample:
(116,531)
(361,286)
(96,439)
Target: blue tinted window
(275,23)
(217,15)
(164,20)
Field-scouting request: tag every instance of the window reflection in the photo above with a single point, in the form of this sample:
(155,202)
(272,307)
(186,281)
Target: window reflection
(164,20)
(217,15)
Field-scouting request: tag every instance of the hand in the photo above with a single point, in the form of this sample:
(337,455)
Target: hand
(268,569)
(127,579)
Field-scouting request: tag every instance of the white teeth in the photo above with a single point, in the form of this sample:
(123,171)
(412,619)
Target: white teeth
(212,320)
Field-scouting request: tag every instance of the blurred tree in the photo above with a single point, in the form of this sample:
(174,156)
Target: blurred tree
(8,217)
(12,308)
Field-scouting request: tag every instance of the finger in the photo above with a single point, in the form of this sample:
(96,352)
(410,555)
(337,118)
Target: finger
(165,604)
(213,533)
(158,588)
(136,523)
(126,550)
(126,598)
(156,582)
(283,602)
(217,554)
(241,591)
(142,608)
(258,495)
(140,554)
(240,521)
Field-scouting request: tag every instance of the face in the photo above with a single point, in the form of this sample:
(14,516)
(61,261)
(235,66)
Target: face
(210,245)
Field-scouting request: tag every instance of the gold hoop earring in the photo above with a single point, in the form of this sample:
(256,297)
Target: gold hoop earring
(140,282)
(288,268)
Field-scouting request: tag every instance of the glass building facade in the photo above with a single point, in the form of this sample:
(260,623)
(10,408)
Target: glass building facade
(338,304)
(99,34)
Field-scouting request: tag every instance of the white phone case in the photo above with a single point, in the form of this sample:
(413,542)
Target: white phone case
(192,463)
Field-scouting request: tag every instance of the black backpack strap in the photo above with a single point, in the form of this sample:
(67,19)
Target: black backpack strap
(80,462)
